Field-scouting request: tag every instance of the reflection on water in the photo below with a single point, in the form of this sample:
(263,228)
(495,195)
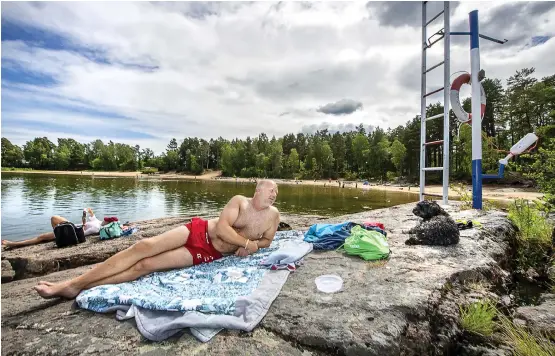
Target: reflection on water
(28,200)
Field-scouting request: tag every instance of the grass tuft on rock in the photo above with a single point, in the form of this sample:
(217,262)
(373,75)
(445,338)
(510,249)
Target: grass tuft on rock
(478,317)
(523,342)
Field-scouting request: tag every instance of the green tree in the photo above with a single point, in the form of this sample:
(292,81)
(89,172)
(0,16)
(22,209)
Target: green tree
(39,153)
(293,163)
(276,153)
(398,154)
(339,150)
(360,144)
(327,160)
(62,157)
(12,155)
(226,162)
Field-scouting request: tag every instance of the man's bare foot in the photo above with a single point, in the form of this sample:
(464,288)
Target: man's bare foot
(7,243)
(49,290)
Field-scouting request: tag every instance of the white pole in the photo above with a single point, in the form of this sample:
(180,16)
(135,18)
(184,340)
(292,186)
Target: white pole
(476,111)
(446,74)
(423,106)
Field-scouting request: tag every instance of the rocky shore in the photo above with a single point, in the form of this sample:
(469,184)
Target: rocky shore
(408,305)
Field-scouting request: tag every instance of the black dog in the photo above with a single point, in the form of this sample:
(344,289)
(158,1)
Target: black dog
(437,228)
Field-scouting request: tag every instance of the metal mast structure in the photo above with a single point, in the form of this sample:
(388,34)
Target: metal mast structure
(427,44)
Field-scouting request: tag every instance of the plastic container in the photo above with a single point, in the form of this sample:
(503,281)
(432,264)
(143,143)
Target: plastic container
(329,283)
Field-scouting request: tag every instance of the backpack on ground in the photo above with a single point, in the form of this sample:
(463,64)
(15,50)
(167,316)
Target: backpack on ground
(368,244)
(67,234)
(110,231)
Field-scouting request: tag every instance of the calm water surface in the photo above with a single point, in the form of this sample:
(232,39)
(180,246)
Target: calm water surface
(28,200)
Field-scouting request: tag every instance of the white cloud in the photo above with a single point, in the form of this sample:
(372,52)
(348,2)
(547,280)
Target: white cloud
(234,69)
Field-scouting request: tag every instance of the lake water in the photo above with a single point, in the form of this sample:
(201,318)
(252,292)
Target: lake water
(28,200)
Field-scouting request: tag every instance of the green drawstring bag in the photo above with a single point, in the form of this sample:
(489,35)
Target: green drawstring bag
(110,231)
(368,244)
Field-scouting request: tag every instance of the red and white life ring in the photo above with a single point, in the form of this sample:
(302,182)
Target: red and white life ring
(462,115)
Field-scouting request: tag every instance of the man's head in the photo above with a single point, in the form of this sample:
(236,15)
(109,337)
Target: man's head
(265,194)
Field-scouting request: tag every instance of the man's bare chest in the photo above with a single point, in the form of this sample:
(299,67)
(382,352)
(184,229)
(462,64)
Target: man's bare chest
(252,224)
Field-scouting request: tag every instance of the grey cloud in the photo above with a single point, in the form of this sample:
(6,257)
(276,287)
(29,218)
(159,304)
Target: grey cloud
(333,128)
(341,107)
(324,83)
(408,75)
(509,21)
(405,13)
(202,9)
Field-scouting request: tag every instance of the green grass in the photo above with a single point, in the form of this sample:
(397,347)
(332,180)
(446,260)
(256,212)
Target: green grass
(534,238)
(478,317)
(530,220)
(9,169)
(523,342)
(465,196)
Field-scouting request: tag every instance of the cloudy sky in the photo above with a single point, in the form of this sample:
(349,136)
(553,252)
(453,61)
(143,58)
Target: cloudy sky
(144,72)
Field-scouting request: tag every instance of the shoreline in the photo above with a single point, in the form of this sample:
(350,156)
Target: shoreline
(497,192)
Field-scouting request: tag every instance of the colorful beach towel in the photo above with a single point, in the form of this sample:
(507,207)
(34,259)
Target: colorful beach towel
(207,291)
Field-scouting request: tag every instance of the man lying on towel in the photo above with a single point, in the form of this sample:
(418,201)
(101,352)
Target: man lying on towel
(244,226)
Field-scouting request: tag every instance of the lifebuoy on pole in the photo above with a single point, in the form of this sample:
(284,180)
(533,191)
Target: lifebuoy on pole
(462,115)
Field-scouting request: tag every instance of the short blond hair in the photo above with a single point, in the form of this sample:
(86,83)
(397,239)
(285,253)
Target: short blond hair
(263,182)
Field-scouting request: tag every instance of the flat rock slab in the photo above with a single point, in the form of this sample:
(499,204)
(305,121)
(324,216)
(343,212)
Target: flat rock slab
(7,271)
(42,259)
(379,305)
(35,326)
(540,318)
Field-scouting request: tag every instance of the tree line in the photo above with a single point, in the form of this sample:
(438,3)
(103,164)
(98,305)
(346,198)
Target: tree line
(524,105)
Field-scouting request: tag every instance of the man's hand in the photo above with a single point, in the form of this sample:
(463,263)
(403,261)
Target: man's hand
(241,252)
(252,247)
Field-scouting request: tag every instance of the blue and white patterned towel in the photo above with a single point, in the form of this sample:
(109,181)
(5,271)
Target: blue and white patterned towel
(208,288)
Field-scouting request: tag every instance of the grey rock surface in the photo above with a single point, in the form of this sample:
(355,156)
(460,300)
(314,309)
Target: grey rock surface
(385,308)
(7,272)
(540,318)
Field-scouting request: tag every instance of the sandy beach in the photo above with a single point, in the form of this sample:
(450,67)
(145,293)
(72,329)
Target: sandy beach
(496,192)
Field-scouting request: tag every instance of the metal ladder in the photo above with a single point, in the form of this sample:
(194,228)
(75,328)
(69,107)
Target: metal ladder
(427,43)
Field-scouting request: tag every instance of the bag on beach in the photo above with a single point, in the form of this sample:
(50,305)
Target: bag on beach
(368,244)
(110,231)
(67,234)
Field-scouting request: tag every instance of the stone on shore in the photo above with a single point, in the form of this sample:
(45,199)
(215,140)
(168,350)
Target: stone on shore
(7,271)
(386,308)
(540,318)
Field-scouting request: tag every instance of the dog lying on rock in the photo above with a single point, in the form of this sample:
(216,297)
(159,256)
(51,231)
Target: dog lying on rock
(437,228)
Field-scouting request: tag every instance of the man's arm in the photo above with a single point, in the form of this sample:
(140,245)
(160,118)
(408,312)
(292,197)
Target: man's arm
(229,215)
(269,234)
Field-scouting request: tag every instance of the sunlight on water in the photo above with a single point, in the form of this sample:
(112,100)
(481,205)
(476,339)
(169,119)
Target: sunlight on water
(28,200)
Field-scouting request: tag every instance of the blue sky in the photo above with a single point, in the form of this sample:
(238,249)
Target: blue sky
(144,72)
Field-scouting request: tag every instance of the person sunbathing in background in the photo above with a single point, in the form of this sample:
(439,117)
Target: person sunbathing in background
(91,225)
(244,226)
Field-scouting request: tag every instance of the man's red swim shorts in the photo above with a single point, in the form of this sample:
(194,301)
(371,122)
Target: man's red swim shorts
(199,244)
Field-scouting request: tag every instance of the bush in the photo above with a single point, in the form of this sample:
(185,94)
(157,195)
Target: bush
(350,175)
(478,317)
(542,167)
(391,176)
(464,195)
(534,239)
(149,170)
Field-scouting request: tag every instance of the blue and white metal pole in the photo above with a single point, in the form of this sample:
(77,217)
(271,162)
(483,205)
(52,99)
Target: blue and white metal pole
(476,111)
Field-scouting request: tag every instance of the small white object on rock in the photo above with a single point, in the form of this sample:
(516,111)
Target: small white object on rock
(329,283)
